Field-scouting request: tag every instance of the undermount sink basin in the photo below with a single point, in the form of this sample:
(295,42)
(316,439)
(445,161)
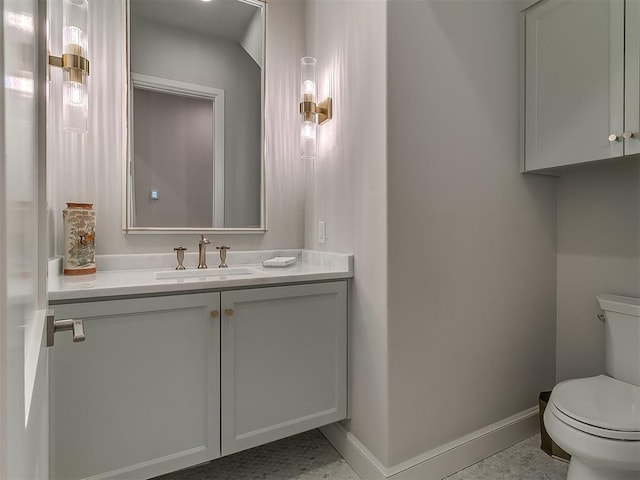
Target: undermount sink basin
(207,273)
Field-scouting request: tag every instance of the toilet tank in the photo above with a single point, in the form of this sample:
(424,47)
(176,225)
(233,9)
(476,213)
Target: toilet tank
(622,337)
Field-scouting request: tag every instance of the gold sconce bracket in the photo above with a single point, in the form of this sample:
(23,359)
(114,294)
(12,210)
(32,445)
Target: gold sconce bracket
(320,113)
(55,61)
(72,63)
(324,110)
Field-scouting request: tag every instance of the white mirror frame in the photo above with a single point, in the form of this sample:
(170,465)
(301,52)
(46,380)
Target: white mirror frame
(179,87)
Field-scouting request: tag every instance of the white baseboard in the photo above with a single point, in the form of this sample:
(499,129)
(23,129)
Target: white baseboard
(439,462)
(354,452)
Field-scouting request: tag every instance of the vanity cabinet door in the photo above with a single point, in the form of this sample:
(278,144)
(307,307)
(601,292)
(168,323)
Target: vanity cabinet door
(140,397)
(284,362)
(573,82)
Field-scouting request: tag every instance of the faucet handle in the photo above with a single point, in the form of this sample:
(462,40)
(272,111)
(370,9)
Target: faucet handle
(180,256)
(204,241)
(223,255)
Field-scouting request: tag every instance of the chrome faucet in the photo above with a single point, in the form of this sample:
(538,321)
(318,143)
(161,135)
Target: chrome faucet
(202,251)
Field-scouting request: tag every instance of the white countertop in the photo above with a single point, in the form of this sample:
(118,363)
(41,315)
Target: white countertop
(114,279)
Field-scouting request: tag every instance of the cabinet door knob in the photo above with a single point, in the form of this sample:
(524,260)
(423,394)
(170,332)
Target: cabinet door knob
(215,314)
(627,135)
(228,312)
(613,137)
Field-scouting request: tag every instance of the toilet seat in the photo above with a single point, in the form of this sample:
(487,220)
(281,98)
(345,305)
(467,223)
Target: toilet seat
(601,406)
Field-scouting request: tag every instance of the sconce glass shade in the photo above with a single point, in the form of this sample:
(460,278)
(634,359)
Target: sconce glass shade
(308,79)
(308,94)
(75,41)
(308,141)
(74,104)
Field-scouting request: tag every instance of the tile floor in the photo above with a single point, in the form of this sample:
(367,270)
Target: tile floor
(524,461)
(309,456)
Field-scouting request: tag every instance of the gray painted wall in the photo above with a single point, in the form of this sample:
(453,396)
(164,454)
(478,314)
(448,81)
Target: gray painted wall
(598,252)
(472,260)
(169,52)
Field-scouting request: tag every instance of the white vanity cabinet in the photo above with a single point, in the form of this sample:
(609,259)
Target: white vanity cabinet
(284,362)
(580,82)
(161,380)
(141,396)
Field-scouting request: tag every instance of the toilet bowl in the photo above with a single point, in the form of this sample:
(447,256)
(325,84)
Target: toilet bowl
(597,419)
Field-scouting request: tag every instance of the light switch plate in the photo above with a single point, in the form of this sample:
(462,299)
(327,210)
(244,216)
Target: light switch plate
(322,232)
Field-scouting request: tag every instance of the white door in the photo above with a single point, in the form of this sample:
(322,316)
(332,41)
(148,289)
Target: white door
(23,251)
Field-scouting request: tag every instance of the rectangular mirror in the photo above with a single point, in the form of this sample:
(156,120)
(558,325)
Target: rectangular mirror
(196,116)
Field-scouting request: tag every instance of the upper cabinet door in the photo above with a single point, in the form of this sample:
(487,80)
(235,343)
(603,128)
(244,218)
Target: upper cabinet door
(573,82)
(632,78)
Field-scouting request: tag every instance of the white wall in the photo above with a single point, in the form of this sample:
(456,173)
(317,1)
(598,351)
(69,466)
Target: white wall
(89,168)
(598,252)
(346,187)
(472,261)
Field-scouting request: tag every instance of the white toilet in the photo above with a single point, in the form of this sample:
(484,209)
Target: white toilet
(597,419)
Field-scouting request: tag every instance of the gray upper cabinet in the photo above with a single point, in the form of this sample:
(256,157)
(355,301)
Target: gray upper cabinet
(580,82)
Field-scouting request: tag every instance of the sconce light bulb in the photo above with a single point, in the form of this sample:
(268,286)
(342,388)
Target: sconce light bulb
(308,130)
(309,87)
(73,34)
(76,96)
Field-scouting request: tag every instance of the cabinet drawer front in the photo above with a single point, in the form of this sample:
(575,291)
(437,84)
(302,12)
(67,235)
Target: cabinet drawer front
(284,362)
(140,397)
(573,82)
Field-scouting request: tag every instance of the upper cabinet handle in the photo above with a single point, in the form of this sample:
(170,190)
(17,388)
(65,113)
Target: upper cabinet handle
(613,137)
(228,312)
(627,135)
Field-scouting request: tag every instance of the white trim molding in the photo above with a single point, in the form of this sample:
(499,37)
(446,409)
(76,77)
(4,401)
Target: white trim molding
(439,462)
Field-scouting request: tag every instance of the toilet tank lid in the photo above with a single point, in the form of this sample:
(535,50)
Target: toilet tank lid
(615,303)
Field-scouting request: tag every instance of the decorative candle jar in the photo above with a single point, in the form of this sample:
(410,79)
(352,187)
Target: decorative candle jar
(79,239)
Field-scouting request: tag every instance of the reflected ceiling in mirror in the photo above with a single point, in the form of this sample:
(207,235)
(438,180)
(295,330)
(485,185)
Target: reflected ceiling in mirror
(196,116)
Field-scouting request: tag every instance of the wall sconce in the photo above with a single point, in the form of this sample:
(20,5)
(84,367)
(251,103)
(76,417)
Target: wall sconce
(313,113)
(75,65)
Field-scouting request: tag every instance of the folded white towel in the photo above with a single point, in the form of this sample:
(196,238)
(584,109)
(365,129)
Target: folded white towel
(279,262)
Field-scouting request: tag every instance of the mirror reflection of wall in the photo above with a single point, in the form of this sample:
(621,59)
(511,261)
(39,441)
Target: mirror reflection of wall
(208,45)
(169,127)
